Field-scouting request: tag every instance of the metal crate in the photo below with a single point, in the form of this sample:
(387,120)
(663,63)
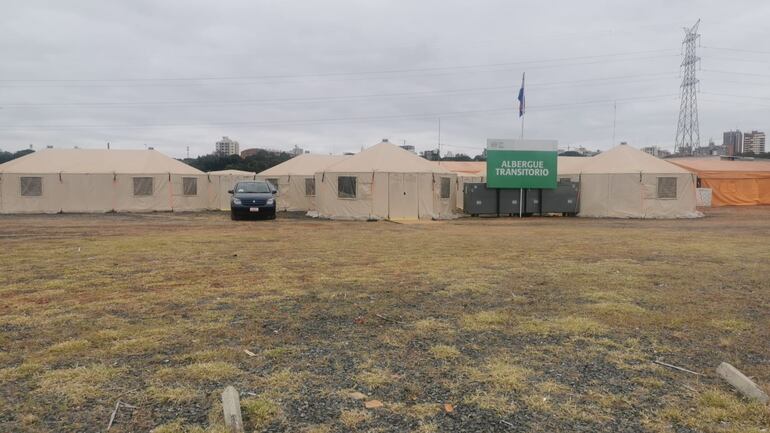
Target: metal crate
(478,199)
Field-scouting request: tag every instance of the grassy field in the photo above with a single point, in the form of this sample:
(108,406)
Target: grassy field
(534,325)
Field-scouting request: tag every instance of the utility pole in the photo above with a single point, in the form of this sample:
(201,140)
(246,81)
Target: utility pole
(688,130)
(439,139)
(614,121)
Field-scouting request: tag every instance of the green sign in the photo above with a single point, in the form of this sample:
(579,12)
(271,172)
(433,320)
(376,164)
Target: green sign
(521,169)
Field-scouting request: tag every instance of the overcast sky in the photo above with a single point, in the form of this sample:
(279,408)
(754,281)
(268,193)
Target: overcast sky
(332,76)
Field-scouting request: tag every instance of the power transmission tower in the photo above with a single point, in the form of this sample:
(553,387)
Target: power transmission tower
(688,131)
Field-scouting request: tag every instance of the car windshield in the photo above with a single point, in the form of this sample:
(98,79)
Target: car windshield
(252,187)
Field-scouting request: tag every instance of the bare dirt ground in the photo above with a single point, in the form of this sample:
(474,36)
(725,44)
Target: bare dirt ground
(534,325)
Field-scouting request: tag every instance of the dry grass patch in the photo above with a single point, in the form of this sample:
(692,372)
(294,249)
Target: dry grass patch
(485,320)
(431,325)
(420,411)
(444,352)
(23,371)
(499,374)
(491,401)
(428,427)
(199,372)
(176,395)
(69,348)
(259,412)
(79,384)
(375,378)
(351,418)
(569,325)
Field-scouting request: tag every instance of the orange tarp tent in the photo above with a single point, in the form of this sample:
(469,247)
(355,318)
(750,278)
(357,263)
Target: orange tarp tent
(732,183)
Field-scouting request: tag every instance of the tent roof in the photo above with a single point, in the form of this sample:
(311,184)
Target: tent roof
(465,168)
(233,172)
(716,164)
(96,161)
(305,164)
(571,164)
(386,157)
(626,159)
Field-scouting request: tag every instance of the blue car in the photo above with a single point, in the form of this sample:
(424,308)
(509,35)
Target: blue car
(252,198)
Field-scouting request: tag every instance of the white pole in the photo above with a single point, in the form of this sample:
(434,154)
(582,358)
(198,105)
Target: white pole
(521,202)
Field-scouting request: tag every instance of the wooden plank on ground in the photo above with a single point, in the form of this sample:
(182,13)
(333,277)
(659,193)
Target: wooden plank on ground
(231,405)
(742,383)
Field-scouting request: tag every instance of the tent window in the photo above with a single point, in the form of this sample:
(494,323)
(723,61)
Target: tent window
(31,186)
(666,187)
(189,186)
(274,182)
(142,186)
(310,186)
(446,185)
(346,187)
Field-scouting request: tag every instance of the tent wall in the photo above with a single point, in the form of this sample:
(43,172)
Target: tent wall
(738,190)
(634,195)
(330,205)
(95,193)
(11,200)
(218,185)
(383,195)
(291,195)
(183,202)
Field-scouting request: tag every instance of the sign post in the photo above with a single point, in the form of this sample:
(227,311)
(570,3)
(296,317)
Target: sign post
(522,164)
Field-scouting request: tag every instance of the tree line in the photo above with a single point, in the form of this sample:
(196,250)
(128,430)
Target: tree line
(8,156)
(261,160)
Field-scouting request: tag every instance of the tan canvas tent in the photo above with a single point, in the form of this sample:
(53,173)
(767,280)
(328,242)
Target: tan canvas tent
(295,180)
(91,180)
(732,183)
(386,182)
(627,183)
(467,172)
(221,181)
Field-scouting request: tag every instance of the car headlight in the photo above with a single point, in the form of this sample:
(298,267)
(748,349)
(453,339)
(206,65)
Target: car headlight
(270,201)
(236,201)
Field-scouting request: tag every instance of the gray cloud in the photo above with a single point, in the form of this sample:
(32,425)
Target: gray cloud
(275,56)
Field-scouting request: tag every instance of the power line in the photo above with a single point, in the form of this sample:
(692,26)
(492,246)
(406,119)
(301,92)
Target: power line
(735,73)
(330,74)
(342,119)
(764,98)
(738,50)
(590,82)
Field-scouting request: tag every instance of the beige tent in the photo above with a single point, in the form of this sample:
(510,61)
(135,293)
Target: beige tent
(89,180)
(627,183)
(386,182)
(220,182)
(295,180)
(467,172)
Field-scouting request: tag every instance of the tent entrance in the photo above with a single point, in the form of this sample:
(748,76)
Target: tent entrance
(402,196)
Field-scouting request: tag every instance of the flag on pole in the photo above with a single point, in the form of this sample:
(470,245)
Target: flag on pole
(522,105)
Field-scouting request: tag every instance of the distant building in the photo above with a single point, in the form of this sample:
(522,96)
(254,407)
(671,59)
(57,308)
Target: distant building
(226,147)
(733,142)
(431,155)
(754,142)
(408,147)
(249,152)
(711,150)
(655,151)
